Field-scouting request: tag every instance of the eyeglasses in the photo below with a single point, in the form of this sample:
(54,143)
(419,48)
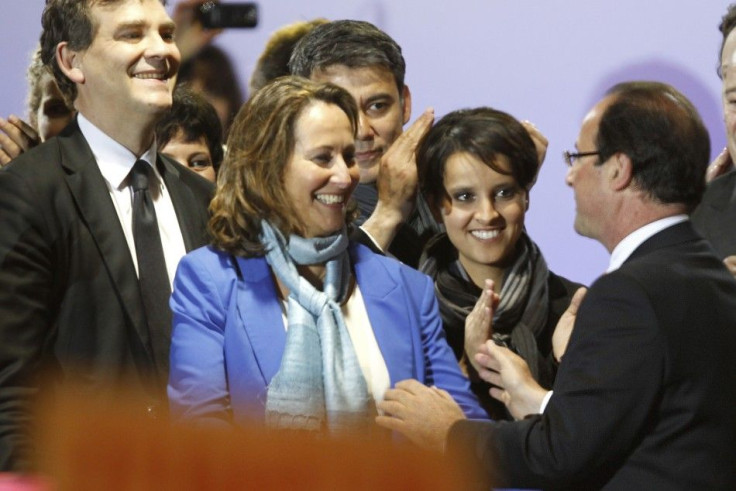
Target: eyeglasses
(570,158)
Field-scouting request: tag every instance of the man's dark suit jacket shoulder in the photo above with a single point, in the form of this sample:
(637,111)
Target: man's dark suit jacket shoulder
(69,293)
(644,397)
(715,217)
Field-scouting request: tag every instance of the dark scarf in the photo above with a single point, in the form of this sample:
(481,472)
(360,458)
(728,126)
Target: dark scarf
(522,312)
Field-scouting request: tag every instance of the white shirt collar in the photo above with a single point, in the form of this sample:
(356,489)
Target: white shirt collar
(114,160)
(631,242)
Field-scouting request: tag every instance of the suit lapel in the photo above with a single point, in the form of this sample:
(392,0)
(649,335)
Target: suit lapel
(187,213)
(259,313)
(386,307)
(96,210)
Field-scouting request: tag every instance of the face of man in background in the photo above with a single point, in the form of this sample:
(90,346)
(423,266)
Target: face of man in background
(383,111)
(728,67)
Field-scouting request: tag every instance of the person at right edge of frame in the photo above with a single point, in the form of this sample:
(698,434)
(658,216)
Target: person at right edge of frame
(715,216)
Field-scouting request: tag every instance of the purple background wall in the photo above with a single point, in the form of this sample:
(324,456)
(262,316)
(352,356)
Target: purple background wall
(546,61)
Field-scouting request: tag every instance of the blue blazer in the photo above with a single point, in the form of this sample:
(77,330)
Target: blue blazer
(228,336)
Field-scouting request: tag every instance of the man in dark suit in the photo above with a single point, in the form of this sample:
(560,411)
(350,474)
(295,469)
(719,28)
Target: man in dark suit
(645,394)
(715,217)
(73,310)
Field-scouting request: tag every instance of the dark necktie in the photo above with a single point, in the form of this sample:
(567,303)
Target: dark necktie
(152,274)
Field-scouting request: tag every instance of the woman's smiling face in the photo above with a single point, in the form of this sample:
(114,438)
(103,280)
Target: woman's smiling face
(321,173)
(483,212)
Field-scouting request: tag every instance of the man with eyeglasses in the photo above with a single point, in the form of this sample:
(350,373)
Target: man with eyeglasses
(644,396)
(715,217)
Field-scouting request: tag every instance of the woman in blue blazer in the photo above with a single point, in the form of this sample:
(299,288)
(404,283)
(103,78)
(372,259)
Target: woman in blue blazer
(282,321)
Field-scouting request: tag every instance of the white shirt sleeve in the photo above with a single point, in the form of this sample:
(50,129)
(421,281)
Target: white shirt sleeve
(545,401)
(372,240)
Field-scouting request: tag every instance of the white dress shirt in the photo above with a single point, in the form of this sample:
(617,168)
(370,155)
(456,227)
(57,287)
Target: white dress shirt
(628,245)
(115,163)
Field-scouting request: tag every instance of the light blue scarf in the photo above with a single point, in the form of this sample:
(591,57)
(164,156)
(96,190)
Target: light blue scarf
(319,383)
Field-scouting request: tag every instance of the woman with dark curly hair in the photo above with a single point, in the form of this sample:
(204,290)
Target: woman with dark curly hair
(476,169)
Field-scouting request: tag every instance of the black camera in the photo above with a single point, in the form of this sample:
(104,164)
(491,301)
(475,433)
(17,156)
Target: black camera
(213,15)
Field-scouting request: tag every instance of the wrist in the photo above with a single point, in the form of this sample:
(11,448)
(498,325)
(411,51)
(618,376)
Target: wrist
(535,400)
(382,225)
(387,215)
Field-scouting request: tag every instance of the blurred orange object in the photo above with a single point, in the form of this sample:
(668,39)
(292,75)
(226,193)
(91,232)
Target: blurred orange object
(85,446)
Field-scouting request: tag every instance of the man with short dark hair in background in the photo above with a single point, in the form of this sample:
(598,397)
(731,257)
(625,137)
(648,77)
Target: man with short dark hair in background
(83,292)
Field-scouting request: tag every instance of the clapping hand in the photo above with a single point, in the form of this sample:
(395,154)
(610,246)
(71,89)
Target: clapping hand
(479,323)
(564,327)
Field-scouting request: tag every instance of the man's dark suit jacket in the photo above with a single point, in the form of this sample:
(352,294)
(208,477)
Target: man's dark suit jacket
(715,217)
(645,396)
(69,297)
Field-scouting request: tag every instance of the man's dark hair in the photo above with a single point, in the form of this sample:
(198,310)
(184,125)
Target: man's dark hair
(70,21)
(660,130)
(728,22)
(353,43)
(194,116)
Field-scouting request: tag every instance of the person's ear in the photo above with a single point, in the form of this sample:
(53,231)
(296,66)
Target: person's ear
(69,62)
(620,171)
(406,103)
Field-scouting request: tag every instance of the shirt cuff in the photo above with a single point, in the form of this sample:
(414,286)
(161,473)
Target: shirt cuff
(373,241)
(545,401)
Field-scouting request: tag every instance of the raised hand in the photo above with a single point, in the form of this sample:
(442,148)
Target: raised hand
(540,143)
(720,165)
(479,323)
(397,182)
(190,35)
(513,383)
(16,137)
(730,263)
(564,327)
